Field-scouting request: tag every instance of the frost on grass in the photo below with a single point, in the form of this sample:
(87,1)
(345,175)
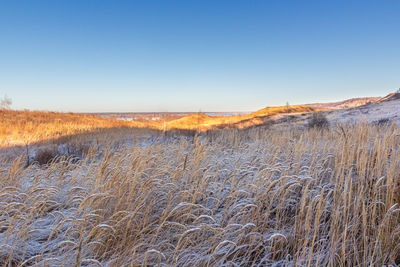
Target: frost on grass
(250,198)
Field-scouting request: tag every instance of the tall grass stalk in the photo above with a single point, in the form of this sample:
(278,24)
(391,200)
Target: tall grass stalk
(255,197)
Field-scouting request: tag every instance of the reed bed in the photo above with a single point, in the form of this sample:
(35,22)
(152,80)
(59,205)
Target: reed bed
(233,198)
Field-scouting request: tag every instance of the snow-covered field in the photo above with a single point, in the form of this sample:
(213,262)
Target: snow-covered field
(232,198)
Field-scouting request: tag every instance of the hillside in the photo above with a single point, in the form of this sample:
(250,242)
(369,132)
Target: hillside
(22,127)
(349,103)
(390,97)
(204,122)
(268,111)
(367,109)
(190,122)
(386,109)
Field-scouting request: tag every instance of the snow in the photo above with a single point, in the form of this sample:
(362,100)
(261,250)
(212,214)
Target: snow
(237,173)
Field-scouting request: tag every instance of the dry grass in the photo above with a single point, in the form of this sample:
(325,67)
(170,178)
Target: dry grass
(26,127)
(255,197)
(202,122)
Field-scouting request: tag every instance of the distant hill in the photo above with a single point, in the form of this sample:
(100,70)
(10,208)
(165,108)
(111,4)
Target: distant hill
(382,110)
(390,97)
(348,108)
(386,109)
(349,103)
(189,122)
(283,109)
(204,122)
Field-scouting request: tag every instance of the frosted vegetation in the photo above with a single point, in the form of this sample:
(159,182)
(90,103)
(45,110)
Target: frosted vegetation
(230,198)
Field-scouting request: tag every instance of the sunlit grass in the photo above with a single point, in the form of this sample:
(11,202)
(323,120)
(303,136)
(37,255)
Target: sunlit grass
(27,127)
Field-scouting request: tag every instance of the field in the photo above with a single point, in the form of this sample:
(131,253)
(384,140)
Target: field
(324,196)
(199,133)
(27,127)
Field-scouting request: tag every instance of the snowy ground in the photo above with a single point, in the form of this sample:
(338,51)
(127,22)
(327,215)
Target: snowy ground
(370,113)
(376,113)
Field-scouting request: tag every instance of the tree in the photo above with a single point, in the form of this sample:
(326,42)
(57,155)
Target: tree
(5,102)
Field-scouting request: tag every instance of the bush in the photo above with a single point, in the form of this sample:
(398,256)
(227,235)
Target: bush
(318,120)
(382,122)
(45,156)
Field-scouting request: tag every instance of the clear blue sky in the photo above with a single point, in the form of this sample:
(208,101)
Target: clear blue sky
(195,55)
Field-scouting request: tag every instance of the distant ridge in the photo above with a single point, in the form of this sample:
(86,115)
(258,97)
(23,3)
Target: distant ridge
(283,109)
(390,97)
(349,103)
(204,122)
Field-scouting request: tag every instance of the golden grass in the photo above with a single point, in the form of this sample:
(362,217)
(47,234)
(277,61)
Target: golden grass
(25,127)
(202,122)
(255,197)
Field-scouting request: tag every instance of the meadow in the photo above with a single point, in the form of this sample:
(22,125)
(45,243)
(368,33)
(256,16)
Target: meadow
(26,127)
(319,196)
(22,127)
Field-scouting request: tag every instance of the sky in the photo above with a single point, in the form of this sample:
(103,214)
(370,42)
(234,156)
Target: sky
(135,56)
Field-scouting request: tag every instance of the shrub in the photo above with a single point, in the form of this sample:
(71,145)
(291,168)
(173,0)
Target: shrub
(45,156)
(382,122)
(318,120)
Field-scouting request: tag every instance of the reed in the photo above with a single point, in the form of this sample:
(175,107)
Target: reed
(320,197)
